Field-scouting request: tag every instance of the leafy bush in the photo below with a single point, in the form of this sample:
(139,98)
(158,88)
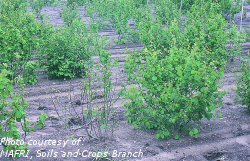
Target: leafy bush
(230,6)
(172,91)
(7,7)
(153,35)
(29,75)
(177,76)
(226,6)
(116,12)
(13,116)
(12,108)
(205,28)
(243,87)
(41,121)
(21,36)
(166,11)
(68,51)
(70,13)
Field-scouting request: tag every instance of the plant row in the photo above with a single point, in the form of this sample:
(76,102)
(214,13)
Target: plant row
(177,75)
(29,44)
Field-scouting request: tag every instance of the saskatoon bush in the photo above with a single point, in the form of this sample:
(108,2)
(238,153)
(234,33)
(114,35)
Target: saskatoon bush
(68,51)
(172,91)
(13,116)
(13,110)
(21,37)
(243,87)
(177,77)
(70,13)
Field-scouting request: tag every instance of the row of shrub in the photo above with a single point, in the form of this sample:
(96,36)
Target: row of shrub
(39,40)
(22,37)
(28,44)
(178,73)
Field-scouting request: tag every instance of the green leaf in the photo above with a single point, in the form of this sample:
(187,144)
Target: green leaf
(154,78)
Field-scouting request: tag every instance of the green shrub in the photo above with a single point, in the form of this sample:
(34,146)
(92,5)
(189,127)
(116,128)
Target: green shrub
(230,6)
(243,87)
(116,12)
(153,35)
(70,13)
(173,91)
(29,75)
(13,118)
(226,6)
(13,110)
(41,121)
(68,51)
(166,11)
(177,76)
(205,29)
(8,7)
(21,36)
